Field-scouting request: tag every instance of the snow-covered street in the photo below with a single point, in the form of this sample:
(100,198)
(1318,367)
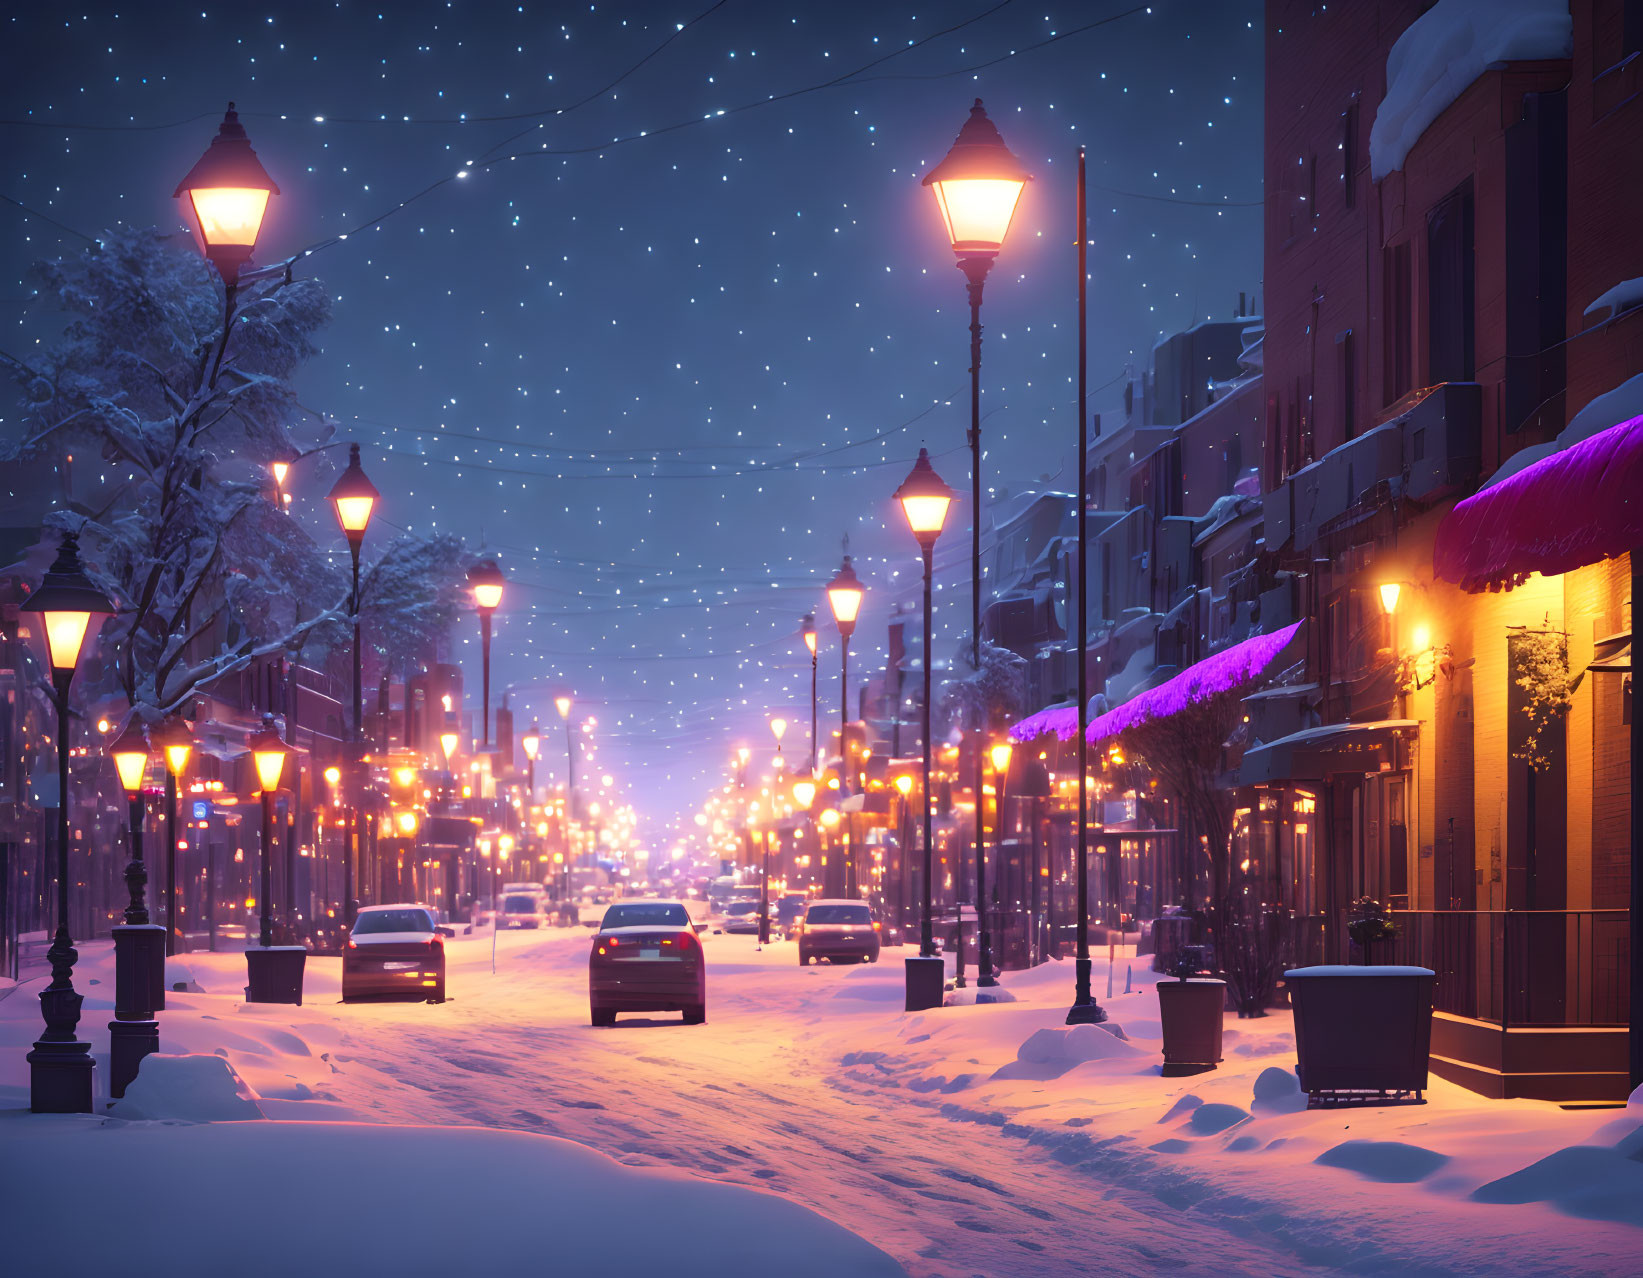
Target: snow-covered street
(967,1140)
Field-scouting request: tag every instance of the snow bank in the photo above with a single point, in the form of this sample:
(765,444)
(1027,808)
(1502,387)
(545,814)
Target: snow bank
(1389,1161)
(1444,51)
(388,1200)
(191,1089)
(1584,1180)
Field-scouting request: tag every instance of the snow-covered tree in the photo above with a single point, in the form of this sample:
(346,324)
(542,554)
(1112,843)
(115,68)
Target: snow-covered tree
(989,697)
(185,401)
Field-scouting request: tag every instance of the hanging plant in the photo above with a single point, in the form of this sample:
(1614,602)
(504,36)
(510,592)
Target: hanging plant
(1542,661)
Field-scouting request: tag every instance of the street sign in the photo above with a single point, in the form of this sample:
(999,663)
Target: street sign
(202,809)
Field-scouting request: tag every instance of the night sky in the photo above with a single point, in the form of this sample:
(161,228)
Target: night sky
(656,352)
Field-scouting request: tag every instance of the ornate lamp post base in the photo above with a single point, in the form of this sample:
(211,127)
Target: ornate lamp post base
(1085,1010)
(128,1043)
(60,1069)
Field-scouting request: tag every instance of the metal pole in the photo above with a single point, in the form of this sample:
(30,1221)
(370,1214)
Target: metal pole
(353,609)
(844,710)
(136,873)
(764,890)
(170,861)
(927,936)
(975,272)
(984,960)
(265,883)
(812,713)
(1085,1010)
(485,679)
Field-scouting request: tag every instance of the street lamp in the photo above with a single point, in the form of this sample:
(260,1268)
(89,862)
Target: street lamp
(268,753)
(139,946)
(844,594)
(70,608)
(228,190)
(176,742)
(778,729)
(531,742)
(925,499)
(354,497)
(485,581)
(563,706)
(808,626)
(977,188)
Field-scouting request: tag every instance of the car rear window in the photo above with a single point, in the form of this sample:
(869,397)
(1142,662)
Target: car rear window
(646,914)
(738,908)
(838,914)
(392,921)
(520,904)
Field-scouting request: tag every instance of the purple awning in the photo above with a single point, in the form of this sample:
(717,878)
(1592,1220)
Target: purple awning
(1224,671)
(1579,506)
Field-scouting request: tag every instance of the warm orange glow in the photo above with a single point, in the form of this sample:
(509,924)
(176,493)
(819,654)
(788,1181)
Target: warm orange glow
(562,704)
(488,595)
(1389,596)
(407,823)
(778,728)
(846,602)
(333,775)
(978,211)
(405,776)
(1001,756)
(904,783)
(354,513)
(280,469)
(531,742)
(810,641)
(65,633)
(447,744)
(830,817)
(804,793)
(925,515)
(176,757)
(270,766)
(230,216)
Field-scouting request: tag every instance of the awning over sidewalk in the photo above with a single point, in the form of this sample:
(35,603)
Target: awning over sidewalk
(1315,753)
(1579,506)
(1198,682)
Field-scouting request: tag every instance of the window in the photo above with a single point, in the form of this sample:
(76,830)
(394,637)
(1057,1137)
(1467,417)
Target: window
(856,914)
(1396,321)
(1450,287)
(1347,379)
(1349,157)
(646,914)
(370,922)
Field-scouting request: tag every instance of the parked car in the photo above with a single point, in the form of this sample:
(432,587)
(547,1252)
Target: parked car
(787,914)
(523,909)
(741,918)
(395,950)
(646,958)
(839,931)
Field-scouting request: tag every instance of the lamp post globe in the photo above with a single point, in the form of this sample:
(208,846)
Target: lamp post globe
(139,946)
(228,191)
(531,743)
(354,498)
(485,582)
(71,609)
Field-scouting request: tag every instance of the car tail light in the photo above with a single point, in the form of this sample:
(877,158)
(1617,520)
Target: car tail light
(685,939)
(878,927)
(353,944)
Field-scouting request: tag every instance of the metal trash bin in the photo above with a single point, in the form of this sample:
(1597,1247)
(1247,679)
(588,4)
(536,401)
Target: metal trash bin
(1362,1033)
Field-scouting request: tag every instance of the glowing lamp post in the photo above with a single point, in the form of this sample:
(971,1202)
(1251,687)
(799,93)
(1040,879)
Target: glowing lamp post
(228,191)
(977,188)
(485,580)
(925,499)
(1000,756)
(139,946)
(274,972)
(176,742)
(70,610)
(844,594)
(354,498)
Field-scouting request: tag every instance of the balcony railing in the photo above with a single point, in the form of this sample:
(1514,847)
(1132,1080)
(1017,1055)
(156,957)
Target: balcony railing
(1519,967)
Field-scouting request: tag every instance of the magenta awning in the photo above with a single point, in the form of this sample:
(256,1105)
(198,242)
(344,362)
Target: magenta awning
(1227,669)
(1579,506)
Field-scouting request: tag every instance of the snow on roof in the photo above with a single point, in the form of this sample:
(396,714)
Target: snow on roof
(1444,51)
(1611,408)
(1622,297)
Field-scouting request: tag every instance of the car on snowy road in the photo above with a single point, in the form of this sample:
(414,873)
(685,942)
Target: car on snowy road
(646,957)
(395,950)
(741,918)
(838,931)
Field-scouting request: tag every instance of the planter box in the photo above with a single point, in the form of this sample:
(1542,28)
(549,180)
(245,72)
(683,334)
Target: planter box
(1191,1012)
(274,974)
(1362,1033)
(926,983)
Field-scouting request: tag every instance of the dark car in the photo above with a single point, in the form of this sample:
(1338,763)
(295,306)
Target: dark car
(787,914)
(646,958)
(839,931)
(395,950)
(741,917)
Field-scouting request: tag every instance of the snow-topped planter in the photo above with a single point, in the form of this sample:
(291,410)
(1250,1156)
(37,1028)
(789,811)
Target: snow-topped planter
(1191,1011)
(1361,1033)
(274,973)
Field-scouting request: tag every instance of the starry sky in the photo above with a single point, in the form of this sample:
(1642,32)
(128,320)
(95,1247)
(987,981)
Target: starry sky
(646,299)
